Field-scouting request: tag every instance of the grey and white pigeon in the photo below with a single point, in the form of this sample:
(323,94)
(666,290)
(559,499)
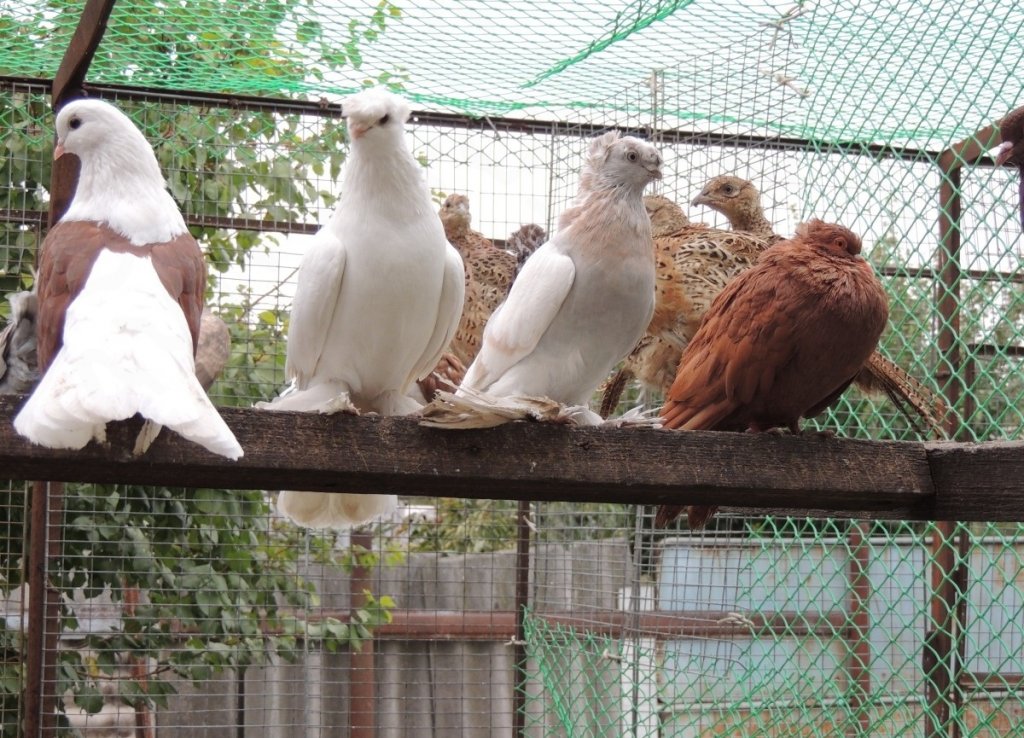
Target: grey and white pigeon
(584,298)
(378,298)
(18,364)
(120,290)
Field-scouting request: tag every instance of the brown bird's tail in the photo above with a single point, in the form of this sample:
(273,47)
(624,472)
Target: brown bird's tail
(696,515)
(925,411)
(613,390)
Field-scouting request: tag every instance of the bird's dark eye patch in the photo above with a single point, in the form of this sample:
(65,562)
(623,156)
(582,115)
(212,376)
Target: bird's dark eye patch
(632,156)
(384,120)
(75,123)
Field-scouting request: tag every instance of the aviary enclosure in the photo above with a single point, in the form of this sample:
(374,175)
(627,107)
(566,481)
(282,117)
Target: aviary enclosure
(522,588)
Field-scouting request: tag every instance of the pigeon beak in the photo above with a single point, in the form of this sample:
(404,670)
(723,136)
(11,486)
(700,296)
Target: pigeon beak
(58,151)
(1004,152)
(357,130)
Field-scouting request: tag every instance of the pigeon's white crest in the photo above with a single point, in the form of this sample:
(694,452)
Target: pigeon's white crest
(120,290)
(378,298)
(584,298)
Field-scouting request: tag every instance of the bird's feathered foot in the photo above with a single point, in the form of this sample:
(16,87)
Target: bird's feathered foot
(472,409)
(324,398)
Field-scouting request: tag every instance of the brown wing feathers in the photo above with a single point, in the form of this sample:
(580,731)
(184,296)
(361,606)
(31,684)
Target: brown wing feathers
(68,253)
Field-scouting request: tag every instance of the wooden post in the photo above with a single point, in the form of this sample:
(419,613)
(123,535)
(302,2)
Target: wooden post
(858,633)
(362,686)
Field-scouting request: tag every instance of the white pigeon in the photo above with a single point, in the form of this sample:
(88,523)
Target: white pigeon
(584,298)
(120,291)
(378,298)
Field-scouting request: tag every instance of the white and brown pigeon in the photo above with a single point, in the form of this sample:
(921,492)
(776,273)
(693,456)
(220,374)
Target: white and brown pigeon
(584,298)
(120,290)
(378,298)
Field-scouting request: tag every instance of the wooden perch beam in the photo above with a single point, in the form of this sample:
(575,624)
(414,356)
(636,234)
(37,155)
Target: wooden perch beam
(805,475)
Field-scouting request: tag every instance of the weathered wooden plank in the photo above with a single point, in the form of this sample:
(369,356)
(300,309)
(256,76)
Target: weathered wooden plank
(516,461)
(978,481)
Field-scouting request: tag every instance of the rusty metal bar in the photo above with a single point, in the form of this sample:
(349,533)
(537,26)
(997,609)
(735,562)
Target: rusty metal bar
(522,601)
(362,689)
(858,658)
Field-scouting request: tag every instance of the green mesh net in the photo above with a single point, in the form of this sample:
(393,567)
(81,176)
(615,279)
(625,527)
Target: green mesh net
(764,627)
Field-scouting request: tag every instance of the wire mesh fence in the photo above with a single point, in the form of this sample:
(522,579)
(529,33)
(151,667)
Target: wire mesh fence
(200,612)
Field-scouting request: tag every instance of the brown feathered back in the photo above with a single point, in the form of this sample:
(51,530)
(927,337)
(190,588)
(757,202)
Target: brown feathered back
(783,340)
(489,275)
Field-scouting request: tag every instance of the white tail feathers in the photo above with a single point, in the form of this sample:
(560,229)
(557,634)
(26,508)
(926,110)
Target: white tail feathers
(67,410)
(323,510)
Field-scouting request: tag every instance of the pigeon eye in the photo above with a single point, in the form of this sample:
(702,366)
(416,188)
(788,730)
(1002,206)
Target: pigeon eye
(75,123)
(384,120)
(632,156)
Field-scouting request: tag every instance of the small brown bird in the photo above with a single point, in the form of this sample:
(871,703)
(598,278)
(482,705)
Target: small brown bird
(781,342)
(739,201)
(1011,150)
(525,240)
(489,275)
(694,263)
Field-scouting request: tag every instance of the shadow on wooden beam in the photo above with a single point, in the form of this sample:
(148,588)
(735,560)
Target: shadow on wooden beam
(813,474)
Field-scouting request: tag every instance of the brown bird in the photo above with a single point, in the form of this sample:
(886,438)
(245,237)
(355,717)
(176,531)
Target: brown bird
(524,241)
(489,275)
(781,342)
(694,263)
(739,201)
(1011,150)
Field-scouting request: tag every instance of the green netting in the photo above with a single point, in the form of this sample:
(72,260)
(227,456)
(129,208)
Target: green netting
(894,71)
(797,628)
(760,630)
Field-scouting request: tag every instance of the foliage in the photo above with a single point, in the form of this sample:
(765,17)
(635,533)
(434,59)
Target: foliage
(482,526)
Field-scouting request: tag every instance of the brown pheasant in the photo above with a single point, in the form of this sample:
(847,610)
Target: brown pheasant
(739,201)
(781,342)
(525,240)
(489,275)
(694,263)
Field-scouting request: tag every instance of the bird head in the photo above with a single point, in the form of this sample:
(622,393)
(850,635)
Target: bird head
(1011,133)
(93,130)
(613,160)
(831,237)
(728,195)
(666,216)
(454,214)
(375,113)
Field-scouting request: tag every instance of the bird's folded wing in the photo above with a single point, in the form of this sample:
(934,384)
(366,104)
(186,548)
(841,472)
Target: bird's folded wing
(746,339)
(518,324)
(316,297)
(453,293)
